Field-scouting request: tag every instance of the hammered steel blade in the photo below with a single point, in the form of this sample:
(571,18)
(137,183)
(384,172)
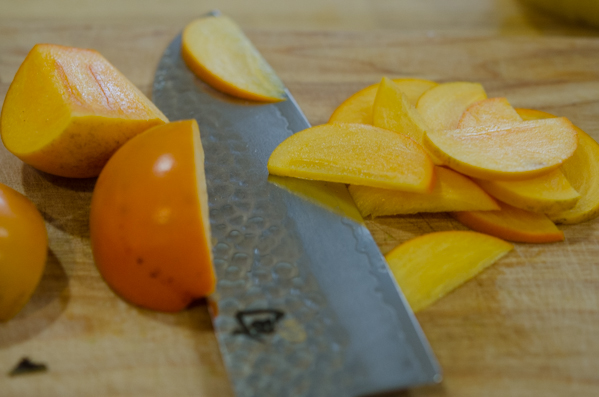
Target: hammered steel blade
(305,304)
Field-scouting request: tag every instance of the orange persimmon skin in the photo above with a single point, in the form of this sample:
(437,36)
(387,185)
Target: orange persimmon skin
(23,251)
(149,234)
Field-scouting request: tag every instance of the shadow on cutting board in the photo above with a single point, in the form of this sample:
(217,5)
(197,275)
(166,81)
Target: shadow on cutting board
(63,202)
(47,303)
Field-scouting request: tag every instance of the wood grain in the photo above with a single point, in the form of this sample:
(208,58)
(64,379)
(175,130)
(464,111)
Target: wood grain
(526,326)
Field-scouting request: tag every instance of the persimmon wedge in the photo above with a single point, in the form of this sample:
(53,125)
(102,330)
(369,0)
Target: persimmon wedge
(23,251)
(218,52)
(451,192)
(150,232)
(512,224)
(582,172)
(430,266)
(358,107)
(357,154)
(506,152)
(68,110)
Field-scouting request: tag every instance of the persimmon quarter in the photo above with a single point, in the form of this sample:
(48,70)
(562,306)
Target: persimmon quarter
(150,232)
(68,110)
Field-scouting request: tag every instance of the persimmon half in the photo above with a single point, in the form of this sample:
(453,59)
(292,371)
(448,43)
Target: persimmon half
(149,224)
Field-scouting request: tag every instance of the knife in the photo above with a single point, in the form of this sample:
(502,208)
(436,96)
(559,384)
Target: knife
(305,304)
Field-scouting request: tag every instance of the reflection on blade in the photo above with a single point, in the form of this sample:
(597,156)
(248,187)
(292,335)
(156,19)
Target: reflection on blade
(305,303)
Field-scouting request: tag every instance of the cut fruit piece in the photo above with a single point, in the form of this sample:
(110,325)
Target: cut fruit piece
(331,196)
(358,107)
(430,266)
(68,110)
(581,170)
(393,111)
(358,154)
(218,52)
(491,111)
(149,225)
(509,152)
(550,192)
(23,251)
(512,224)
(547,193)
(451,192)
(442,106)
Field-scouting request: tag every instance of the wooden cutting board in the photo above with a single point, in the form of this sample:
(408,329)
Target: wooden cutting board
(526,326)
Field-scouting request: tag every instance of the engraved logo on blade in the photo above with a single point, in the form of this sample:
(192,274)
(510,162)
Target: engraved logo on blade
(255,323)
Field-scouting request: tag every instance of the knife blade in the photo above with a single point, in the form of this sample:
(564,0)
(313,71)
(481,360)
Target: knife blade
(305,304)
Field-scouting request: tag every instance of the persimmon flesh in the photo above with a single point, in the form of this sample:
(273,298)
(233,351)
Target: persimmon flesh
(68,110)
(357,154)
(218,52)
(150,232)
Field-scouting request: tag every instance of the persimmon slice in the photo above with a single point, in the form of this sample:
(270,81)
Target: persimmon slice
(218,52)
(23,251)
(507,152)
(430,266)
(581,170)
(149,224)
(549,192)
(357,154)
(358,107)
(451,192)
(393,111)
(442,106)
(512,224)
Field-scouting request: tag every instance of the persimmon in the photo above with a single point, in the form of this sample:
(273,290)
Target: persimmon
(358,107)
(68,110)
(512,224)
(581,171)
(430,266)
(451,192)
(359,154)
(23,250)
(218,52)
(150,232)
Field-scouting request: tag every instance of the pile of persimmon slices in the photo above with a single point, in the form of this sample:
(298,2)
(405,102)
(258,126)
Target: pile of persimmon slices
(406,146)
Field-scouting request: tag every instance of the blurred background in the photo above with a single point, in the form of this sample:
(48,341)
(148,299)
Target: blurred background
(505,17)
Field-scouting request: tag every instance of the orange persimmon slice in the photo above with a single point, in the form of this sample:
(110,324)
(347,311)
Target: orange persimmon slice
(150,232)
(581,170)
(451,192)
(218,52)
(442,106)
(512,224)
(549,192)
(358,154)
(428,267)
(358,107)
(514,151)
